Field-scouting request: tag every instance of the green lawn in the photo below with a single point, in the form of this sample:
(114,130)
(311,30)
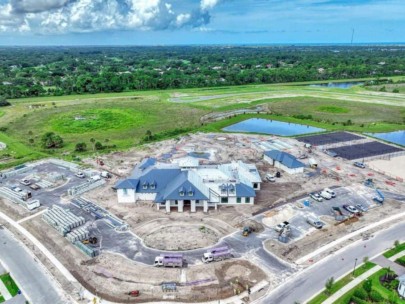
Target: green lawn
(401,261)
(121,120)
(395,250)
(18,152)
(1,299)
(320,298)
(376,285)
(10,284)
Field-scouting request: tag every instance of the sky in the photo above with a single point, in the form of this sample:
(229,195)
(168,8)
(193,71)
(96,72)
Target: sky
(170,22)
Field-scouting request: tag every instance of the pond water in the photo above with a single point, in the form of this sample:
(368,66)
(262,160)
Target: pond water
(397,137)
(339,85)
(273,127)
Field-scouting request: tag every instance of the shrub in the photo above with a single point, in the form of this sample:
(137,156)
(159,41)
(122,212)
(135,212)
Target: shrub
(357,300)
(360,293)
(367,285)
(375,296)
(98,146)
(51,140)
(4,102)
(80,147)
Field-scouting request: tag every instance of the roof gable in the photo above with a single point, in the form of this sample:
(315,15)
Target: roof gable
(284,158)
(127,184)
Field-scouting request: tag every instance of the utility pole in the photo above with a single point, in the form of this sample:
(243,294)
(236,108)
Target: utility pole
(355,263)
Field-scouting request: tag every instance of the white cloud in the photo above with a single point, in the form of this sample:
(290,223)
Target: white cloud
(208,4)
(62,16)
(35,6)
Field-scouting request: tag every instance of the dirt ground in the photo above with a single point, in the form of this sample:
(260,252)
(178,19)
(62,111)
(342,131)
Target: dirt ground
(319,238)
(177,237)
(118,275)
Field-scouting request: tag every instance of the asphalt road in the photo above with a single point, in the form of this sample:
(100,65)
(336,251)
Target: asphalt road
(29,275)
(311,281)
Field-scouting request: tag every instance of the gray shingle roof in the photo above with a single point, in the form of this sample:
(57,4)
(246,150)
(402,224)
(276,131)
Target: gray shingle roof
(286,159)
(182,184)
(127,184)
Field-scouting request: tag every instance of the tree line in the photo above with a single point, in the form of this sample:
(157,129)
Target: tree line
(55,71)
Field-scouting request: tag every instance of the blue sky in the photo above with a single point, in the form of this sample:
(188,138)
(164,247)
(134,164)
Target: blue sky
(162,22)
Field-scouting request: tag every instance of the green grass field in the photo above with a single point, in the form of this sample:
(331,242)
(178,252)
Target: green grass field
(376,285)
(395,250)
(10,284)
(320,298)
(122,119)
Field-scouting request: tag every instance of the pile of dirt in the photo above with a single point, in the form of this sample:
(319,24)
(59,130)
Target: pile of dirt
(278,216)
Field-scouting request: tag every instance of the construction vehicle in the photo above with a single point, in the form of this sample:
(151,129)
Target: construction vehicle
(247,230)
(379,198)
(134,293)
(169,260)
(91,240)
(280,227)
(217,254)
(284,230)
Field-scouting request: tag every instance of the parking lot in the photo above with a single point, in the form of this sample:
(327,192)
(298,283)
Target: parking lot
(53,181)
(297,213)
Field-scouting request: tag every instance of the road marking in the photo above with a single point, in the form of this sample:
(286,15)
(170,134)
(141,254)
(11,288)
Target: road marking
(4,291)
(31,216)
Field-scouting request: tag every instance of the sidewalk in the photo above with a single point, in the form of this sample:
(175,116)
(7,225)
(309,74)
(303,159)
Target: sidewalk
(4,291)
(351,285)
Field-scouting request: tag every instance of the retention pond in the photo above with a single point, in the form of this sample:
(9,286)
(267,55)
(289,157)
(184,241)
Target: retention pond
(397,137)
(273,127)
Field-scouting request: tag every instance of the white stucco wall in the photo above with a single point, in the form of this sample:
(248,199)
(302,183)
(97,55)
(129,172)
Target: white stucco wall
(145,196)
(128,197)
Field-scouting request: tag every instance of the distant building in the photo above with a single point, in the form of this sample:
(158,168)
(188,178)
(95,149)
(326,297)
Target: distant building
(187,184)
(401,286)
(284,161)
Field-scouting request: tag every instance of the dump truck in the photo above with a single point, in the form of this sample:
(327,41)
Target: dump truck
(169,260)
(217,254)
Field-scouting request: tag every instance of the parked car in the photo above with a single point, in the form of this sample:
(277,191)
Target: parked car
(316,196)
(359,165)
(17,189)
(25,182)
(35,187)
(80,175)
(270,177)
(330,191)
(351,209)
(361,207)
(326,195)
(315,222)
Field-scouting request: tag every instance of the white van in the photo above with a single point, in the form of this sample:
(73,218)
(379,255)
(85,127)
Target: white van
(270,177)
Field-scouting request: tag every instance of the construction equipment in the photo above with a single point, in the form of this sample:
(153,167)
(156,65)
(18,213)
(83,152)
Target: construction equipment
(247,230)
(91,240)
(284,231)
(217,254)
(379,198)
(169,260)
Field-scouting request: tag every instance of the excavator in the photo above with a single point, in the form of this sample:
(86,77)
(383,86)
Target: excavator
(91,240)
